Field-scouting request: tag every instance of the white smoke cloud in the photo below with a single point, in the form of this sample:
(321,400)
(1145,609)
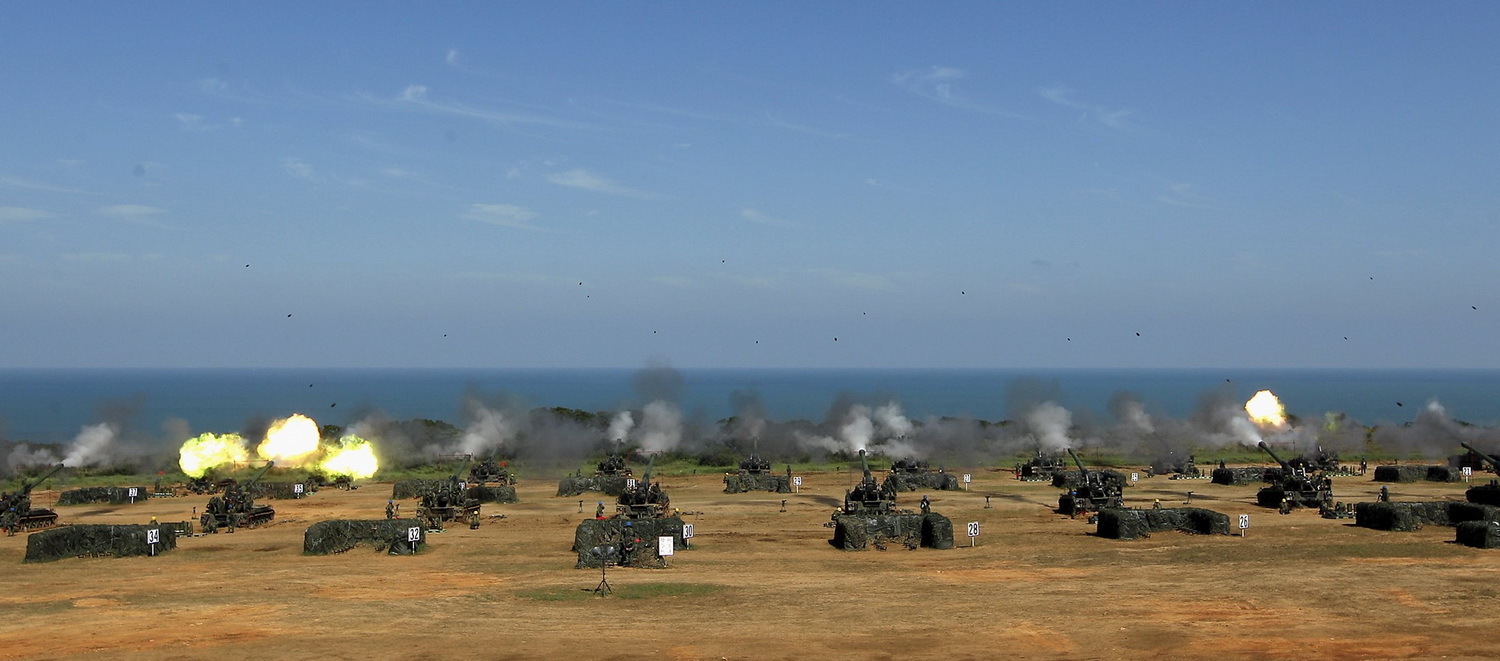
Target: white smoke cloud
(857,429)
(1134,415)
(620,426)
(661,427)
(23,455)
(1050,423)
(91,446)
(892,423)
(488,431)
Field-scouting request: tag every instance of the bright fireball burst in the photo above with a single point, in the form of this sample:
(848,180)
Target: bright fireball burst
(206,451)
(350,455)
(1266,410)
(290,440)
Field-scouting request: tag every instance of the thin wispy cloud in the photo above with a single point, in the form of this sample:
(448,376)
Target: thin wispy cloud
(139,214)
(672,281)
(196,123)
(800,128)
(108,257)
(504,215)
(28,184)
(299,169)
(453,58)
(22,214)
(416,97)
(1115,118)
(940,84)
(592,182)
(759,218)
(854,279)
(1182,195)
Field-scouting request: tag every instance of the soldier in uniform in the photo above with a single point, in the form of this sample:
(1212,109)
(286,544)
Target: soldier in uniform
(599,512)
(9,520)
(1385,494)
(1286,505)
(473,519)
(390,509)
(925,505)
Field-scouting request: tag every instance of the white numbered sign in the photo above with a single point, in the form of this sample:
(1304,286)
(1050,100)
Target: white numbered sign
(1244,521)
(630,483)
(968,477)
(664,546)
(973,528)
(414,534)
(297,488)
(797,481)
(1135,477)
(1468,472)
(153,535)
(687,531)
(134,492)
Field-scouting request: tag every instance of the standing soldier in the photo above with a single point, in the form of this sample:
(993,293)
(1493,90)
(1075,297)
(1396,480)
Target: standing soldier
(1385,494)
(390,509)
(926,506)
(599,513)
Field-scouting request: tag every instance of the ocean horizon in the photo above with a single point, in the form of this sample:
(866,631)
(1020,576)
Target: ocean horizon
(52,405)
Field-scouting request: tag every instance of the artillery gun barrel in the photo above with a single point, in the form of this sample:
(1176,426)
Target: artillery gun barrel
(1078,461)
(1284,466)
(458,473)
(864,464)
(1495,463)
(26,487)
(260,474)
(650,461)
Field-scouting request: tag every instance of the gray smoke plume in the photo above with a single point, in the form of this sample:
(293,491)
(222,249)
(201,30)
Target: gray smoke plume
(92,446)
(1050,424)
(620,426)
(661,427)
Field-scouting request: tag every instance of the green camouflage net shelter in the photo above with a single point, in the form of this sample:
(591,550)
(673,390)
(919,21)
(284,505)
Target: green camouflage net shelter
(413,488)
(1237,476)
(574,485)
(280,490)
(1479,534)
(1137,523)
(77,541)
(110,495)
(857,532)
(1409,516)
(493,493)
(612,533)
(1416,473)
(935,480)
(741,483)
(1074,479)
(389,536)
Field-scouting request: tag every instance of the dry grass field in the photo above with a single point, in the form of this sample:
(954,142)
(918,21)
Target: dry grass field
(761,584)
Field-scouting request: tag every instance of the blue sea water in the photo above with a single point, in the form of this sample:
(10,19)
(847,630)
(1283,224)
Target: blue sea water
(53,405)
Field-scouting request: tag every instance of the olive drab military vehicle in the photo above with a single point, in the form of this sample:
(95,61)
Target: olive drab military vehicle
(912,474)
(494,472)
(645,500)
(609,478)
(237,508)
(755,475)
(1484,494)
(16,512)
(1094,492)
(1294,486)
(449,500)
(869,517)
(1041,467)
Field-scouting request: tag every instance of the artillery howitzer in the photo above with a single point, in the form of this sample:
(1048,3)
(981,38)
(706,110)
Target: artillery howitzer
(1484,494)
(1040,467)
(1318,459)
(609,478)
(1180,469)
(1096,490)
(449,500)
(644,500)
(490,471)
(1294,486)
(17,512)
(912,474)
(237,508)
(755,475)
(869,516)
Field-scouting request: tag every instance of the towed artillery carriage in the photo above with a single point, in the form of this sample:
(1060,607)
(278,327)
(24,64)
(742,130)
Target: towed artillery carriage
(1484,494)
(755,475)
(1319,459)
(16,511)
(449,499)
(1294,486)
(1041,467)
(237,508)
(869,517)
(610,478)
(1095,490)
(1177,468)
(913,474)
(644,499)
(490,472)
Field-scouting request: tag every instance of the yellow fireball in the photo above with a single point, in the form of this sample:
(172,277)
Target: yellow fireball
(350,455)
(206,451)
(1266,410)
(290,441)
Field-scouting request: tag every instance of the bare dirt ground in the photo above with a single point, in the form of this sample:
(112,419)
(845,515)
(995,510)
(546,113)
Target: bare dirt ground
(760,584)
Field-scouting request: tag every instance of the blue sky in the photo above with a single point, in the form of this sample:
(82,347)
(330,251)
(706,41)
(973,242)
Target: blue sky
(716,184)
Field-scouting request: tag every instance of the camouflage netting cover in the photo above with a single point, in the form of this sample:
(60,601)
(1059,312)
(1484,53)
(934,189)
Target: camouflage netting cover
(1479,534)
(940,481)
(574,485)
(390,536)
(1074,479)
(857,532)
(413,488)
(97,540)
(1237,476)
(111,495)
(735,483)
(611,532)
(1415,473)
(1409,516)
(279,490)
(1133,523)
(494,493)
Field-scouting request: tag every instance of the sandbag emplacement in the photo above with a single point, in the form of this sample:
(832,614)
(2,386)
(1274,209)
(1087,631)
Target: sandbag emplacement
(1237,476)
(735,483)
(494,493)
(1136,523)
(110,495)
(1401,517)
(389,536)
(280,490)
(78,541)
(936,480)
(413,488)
(857,532)
(1400,473)
(573,485)
(1074,479)
(1479,534)
(593,533)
